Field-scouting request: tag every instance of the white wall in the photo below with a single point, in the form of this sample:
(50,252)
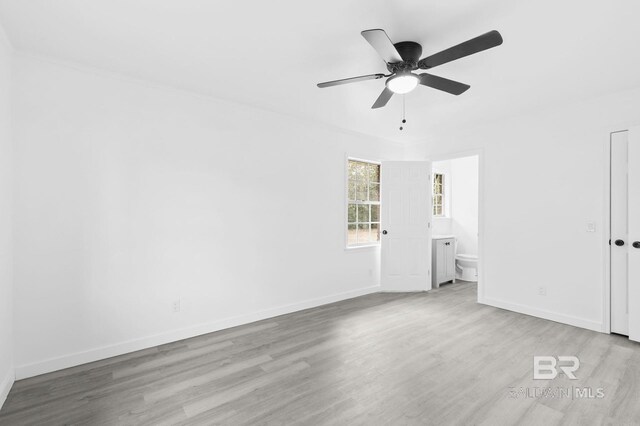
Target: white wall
(464,203)
(543,179)
(6,195)
(131,196)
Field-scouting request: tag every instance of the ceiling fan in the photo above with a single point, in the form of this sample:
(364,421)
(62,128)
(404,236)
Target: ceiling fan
(404,57)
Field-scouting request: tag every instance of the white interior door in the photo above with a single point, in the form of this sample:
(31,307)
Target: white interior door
(619,234)
(634,233)
(406,225)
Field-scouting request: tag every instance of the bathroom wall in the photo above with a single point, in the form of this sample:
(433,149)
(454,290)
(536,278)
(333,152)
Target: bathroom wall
(461,202)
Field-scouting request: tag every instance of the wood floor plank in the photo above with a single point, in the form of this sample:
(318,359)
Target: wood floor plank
(170,359)
(213,401)
(194,382)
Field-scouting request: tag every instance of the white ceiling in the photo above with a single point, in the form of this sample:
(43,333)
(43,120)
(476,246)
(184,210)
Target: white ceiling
(271,54)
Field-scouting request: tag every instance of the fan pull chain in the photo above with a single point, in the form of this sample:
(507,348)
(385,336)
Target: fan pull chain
(403,113)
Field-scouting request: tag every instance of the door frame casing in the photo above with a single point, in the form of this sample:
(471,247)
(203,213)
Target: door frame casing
(481,208)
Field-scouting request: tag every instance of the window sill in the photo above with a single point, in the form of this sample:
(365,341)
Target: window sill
(366,246)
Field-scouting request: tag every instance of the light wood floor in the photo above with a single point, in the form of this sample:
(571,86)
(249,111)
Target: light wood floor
(426,358)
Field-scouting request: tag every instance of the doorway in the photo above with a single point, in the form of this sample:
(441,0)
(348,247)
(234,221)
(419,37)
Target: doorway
(407,223)
(456,253)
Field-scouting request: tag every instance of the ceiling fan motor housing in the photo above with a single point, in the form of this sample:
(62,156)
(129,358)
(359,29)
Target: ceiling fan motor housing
(410,52)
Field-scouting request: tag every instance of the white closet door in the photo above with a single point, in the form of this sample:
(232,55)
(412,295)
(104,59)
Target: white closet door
(634,233)
(406,219)
(619,234)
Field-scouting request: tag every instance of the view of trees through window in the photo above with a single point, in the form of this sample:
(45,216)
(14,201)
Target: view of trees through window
(363,212)
(438,194)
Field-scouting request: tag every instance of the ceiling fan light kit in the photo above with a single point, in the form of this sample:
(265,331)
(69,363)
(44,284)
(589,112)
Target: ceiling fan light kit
(404,57)
(402,83)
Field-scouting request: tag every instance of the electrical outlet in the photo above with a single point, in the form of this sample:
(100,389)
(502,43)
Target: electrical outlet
(542,291)
(591,227)
(176,306)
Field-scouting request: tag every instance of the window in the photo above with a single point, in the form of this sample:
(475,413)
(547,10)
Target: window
(438,194)
(363,208)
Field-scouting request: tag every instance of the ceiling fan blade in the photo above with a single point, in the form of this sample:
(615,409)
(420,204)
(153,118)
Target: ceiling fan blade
(350,80)
(383,98)
(383,45)
(444,84)
(469,47)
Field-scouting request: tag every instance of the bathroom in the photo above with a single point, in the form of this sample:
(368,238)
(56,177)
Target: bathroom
(455,220)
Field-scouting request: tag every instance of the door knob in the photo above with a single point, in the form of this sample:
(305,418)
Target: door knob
(384,232)
(619,243)
(636,244)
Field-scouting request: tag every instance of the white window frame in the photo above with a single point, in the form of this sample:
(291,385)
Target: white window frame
(347,202)
(443,194)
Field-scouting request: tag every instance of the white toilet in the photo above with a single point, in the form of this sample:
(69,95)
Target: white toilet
(467,267)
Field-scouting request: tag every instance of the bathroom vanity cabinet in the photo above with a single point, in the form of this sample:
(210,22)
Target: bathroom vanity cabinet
(443,262)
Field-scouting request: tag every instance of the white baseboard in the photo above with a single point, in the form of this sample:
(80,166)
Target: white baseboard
(96,354)
(544,314)
(5,386)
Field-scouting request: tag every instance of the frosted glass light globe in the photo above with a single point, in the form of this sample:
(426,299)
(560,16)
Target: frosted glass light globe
(403,83)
